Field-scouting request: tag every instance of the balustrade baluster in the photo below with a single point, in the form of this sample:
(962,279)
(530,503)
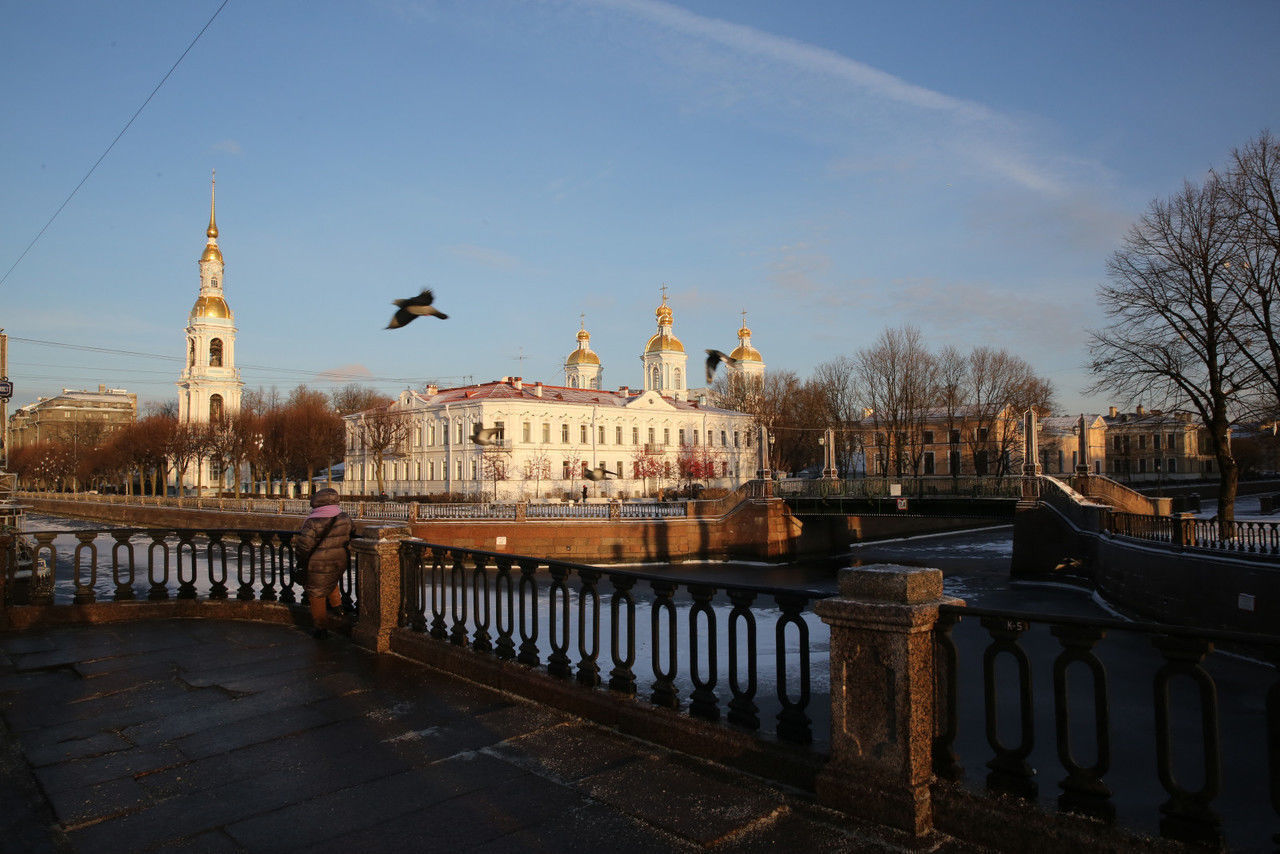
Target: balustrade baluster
(504,607)
(159,586)
(664,687)
(1010,771)
(217,580)
(439,628)
(1082,789)
(743,710)
(588,666)
(702,700)
(288,570)
(124,584)
(458,598)
(480,640)
(622,677)
(42,581)
(270,567)
(1188,815)
(85,593)
(793,721)
(946,762)
(558,620)
(244,592)
(187,567)
(528,602)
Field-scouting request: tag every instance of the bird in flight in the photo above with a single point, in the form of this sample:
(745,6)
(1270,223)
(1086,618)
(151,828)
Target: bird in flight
(414,307)
(485,435)
(714,358)
(599,473)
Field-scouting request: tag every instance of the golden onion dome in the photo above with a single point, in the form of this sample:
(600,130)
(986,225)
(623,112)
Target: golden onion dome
(584,335)
(582,357)
(747,352)
(211,306)
(662,341)
(211,253)
(663,314)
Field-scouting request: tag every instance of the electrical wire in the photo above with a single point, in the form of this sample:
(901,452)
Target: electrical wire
(127,124)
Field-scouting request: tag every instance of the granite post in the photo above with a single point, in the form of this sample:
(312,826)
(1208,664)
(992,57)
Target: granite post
(377,553)
(882,694)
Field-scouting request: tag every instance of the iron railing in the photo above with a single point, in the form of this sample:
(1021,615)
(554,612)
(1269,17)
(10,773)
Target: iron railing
(1212,783)
(552,614)
(84,566)
(1246,538)
(880,487)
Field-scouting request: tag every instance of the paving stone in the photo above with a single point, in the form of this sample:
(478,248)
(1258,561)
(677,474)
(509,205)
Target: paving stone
(99,769)
(76,748)
(570,751)
(209,842)
(588,827)
(693,806)
(77,805)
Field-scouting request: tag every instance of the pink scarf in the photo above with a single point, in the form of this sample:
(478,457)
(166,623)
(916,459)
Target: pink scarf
(325,511)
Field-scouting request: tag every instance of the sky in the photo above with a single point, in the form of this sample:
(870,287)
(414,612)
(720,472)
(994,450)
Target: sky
(832,168)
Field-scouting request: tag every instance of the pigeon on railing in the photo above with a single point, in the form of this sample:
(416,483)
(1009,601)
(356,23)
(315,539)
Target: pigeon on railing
(714,358)
(414,307)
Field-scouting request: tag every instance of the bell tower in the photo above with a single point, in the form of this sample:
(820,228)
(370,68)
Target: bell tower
(664,359)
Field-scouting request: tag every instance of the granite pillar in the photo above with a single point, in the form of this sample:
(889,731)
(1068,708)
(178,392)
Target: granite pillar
(882,694)
(377,554)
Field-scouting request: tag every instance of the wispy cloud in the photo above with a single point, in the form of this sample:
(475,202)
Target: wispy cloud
(344,373)
(494,259)
(987,139)
(228,146)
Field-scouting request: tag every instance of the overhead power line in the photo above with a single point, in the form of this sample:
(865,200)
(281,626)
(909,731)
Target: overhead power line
(94,167)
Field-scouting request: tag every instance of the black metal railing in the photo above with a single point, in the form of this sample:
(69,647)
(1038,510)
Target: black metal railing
(1239,537)
(86,566)
(553,614)
(1217,761)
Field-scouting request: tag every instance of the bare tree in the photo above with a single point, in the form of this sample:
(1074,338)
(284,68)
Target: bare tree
(1251,186)
(495,465)
(382,432)
(897,382)
(833,383)
(353,397)
(537,468)
(1173,308)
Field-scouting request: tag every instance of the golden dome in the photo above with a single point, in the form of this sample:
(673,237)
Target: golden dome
(211,253)
(584,335)
(582,357)
(746,351)
(663,342)
(211,306)
(663,314)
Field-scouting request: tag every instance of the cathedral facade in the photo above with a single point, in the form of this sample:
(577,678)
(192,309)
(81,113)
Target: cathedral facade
(659,436)
(209,387)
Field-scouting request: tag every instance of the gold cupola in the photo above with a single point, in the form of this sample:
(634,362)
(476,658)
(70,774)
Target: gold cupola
(211,250)
(744,349)
(663,339)
(583,355)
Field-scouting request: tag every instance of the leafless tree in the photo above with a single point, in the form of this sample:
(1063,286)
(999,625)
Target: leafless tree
(537,468)
(382,432)
(354,397)
(1251,187)
(1172,308)
(834,384)
(897,382)
(495,465)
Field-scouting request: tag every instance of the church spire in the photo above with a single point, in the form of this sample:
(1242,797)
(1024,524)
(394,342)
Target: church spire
(213,224)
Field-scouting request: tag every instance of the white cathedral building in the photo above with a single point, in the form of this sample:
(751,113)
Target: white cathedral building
(549,436)
(209,387)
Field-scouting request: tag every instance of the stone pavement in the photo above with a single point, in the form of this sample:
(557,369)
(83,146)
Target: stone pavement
(212,736)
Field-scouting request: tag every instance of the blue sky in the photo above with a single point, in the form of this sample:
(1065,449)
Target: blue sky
(832,168)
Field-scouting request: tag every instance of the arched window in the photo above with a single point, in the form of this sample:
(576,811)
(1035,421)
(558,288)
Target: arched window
(215,407)
(656,382)
(679,379)
(191,353)
(215,353)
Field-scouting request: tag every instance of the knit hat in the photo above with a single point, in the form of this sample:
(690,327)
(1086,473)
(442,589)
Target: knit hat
(328,495)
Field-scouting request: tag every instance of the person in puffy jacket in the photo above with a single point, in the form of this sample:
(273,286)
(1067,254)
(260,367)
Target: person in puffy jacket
(322,542)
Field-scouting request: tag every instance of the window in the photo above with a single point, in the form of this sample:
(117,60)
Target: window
(501,433)
(679,379)
(527,432)
(1142,465)
(748,438)
(954,437)
(1115,443)
(724,439)
(458,469)
(418,470)
(1061,458)
(431,470)
(582,433)
(710,439)
(617,436)
(736,440)
(1142,442)
(475,469)
(666,436)
(1155,442)
(600,435)
(695,437)
(928,437)
(928,462)
(618,469)
(458,441)
(564,469)
(546,434)
(215,407)
(681,436)
(417,437)
(1173,466)
(635,435)
(564,434)
(215,353)
(652,440)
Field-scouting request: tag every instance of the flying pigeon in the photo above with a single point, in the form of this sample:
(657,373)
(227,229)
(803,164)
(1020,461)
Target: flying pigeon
(714,358)
(414,307)
(598,473)
(485,435)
